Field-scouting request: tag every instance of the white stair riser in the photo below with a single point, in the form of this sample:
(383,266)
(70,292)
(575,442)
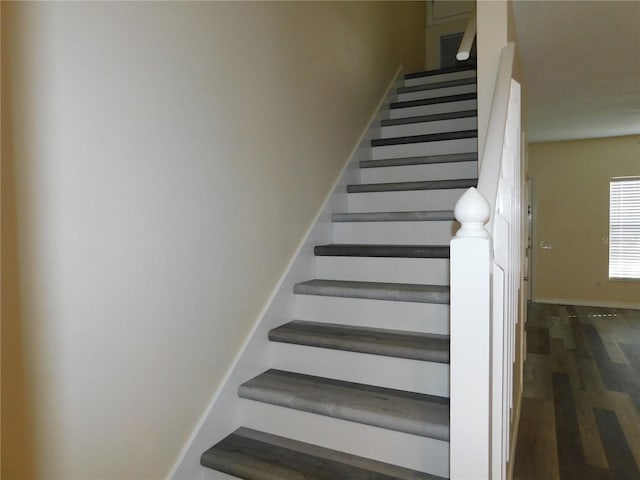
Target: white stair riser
(436,92)
(390,372)
(404,201)
(410,451)
(408,316)
(433,109)
(395,233)
(424,128)
(417,173)
(432,271)
(443,77)
(463,145)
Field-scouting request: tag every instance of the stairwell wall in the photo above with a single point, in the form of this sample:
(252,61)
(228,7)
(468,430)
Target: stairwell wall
(161,163)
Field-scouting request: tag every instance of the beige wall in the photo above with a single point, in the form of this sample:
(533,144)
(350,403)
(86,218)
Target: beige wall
(161,163)
(571,210)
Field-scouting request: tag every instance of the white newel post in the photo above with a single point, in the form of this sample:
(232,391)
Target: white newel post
(470,340)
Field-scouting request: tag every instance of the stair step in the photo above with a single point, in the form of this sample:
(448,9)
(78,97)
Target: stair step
(430,378)
(366,250)
(431,101)
(439,77)
(437,92)
(408,412)
(406,316)
(419,453)
(465,144)
(399,292)
(431,271)
(436,232)
(404,200)
(435,85)
(392,228)
(440,71)
(421,216)
(433,109)
(429,128)
(388,122)
(407,186)
(419,173)
(255,455)
(392,343)
(397,162)
(430,137)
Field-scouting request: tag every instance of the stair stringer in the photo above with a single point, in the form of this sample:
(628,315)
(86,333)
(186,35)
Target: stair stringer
(223,412)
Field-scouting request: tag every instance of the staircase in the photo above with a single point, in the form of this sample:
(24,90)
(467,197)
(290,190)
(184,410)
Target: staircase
(358,385)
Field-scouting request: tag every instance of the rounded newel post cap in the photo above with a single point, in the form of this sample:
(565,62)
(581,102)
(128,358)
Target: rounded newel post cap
(472,211)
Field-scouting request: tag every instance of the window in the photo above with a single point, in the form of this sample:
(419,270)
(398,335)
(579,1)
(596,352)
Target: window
(624,228)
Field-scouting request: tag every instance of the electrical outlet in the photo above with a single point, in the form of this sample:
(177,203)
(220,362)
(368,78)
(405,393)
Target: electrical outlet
(546,245)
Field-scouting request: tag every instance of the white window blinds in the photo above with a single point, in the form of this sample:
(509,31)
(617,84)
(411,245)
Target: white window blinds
(624,228)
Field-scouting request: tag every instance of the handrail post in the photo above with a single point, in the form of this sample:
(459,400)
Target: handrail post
(470,435)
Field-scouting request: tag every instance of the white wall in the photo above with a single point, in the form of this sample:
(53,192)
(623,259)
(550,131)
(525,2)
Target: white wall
(161,162)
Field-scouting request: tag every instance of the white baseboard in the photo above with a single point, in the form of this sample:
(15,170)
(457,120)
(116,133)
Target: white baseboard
(587,303)
(222,414)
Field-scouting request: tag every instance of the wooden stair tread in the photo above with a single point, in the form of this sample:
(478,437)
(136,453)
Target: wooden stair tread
(415,216)
(429,137)
(426,160)
(408,412)
(406,186)
(399,292)
(370,250)
(432,101)
(435,117)
(253,455)
(440,71)
(393,343)
(435,85)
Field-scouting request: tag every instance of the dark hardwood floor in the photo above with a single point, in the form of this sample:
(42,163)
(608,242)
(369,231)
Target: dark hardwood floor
(580,417)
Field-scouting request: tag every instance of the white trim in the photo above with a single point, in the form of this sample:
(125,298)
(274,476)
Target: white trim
(587,303)
(489,166)
(469,367)
(222,414)
(514,434)
(485,278)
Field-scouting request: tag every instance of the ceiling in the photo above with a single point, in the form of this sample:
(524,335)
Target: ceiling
(581,66)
